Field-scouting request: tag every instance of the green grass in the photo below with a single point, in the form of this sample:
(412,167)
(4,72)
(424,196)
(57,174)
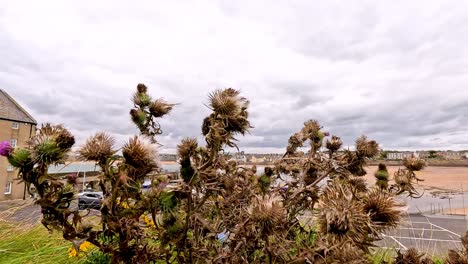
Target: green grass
(21,244)
(380,255)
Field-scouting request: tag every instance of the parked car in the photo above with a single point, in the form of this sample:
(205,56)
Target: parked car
(91,200)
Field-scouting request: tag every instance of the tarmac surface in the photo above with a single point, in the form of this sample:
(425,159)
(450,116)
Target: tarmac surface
(432,234)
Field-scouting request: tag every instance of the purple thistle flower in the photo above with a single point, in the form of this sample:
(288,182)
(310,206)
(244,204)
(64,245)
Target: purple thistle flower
(5,148)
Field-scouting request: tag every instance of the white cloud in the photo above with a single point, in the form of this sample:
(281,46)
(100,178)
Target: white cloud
(395,71)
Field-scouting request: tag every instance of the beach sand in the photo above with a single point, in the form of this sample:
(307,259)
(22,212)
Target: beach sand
(453,179)
(440,182)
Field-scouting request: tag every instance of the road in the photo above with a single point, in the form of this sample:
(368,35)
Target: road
(432,234)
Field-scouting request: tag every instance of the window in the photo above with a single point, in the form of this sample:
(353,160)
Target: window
(13,142)
(10,168)
(15,125)
(8,188)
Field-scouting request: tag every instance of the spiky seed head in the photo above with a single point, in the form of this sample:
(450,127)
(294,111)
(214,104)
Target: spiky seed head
(341,216)
(47,152)
(65,140)
(159,108)
(358,184)
(311,130)
(20,158)
(366,148)
(337,254)
(231,92)
(383,208)
(187,147)
(53,133)
(354,163)
(224,102)
(138,117)
(334,144)
(141,99)
(382,167)
(141,153)
(409,256)
(381,175)
(97,148)
(267,212)
(414,164)
(141,88)
(229,183)
(456,257)
(238,123)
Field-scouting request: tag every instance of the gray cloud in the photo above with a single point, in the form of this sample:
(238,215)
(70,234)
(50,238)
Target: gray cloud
(395,71)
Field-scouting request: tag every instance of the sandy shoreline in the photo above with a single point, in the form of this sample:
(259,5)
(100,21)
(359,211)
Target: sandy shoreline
(453,179)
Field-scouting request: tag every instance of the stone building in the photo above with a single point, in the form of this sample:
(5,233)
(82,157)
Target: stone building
(17,127)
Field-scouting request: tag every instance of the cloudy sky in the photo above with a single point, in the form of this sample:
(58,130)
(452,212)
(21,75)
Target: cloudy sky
(396,72)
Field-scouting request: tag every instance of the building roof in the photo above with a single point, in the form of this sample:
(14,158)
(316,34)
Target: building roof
(11,110)
(74,167)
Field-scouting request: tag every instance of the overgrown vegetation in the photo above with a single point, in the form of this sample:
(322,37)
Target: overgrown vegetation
(20,244)
(221,212)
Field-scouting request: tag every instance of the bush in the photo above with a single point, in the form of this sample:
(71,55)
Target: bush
(221,212)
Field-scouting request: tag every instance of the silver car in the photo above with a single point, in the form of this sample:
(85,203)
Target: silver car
(91,200)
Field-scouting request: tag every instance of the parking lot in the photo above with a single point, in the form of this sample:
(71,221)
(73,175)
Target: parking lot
(434,235)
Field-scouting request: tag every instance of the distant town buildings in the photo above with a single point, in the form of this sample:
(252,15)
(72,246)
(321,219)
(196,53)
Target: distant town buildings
(16,126)
(401,155)
(168,157)
(441,155)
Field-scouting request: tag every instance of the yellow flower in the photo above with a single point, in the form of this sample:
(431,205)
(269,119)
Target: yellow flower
(124,204)
(148,221)
(72,252)
(84,247)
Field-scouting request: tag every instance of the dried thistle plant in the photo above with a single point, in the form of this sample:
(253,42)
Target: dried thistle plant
(97,148)
(406,180)
(221,212)
(382,177)
(459,256)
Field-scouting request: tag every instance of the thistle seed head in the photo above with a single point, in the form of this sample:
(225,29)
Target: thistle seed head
(267,212)
(141,99)
(334,144)
(366,148)
(187,147)
(383,209)
(138,117)
(97,148)
(141,153)
(414,164)
(159,108)
(342,217)
(141,88)
(226,102)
